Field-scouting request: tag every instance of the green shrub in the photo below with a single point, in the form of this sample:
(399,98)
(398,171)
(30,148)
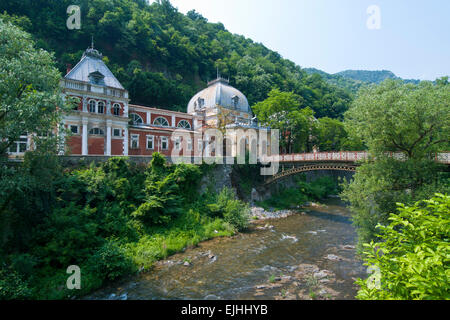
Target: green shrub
(288,198)
(68,236)
(110,262)
(12,286)
(237,214)
(413,254)
(232,210)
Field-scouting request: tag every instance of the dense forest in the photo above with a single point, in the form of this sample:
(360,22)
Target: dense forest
(164,57)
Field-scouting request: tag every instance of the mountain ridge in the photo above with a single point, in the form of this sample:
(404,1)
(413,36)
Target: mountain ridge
(353,80)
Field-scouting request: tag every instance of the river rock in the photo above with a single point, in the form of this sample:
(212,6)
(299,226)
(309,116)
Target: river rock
(321,274)
(124,296)
(333,257)
(323,292)
(186,264)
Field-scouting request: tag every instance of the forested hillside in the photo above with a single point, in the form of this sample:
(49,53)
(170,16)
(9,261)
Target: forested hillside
(353,80)
(163,56)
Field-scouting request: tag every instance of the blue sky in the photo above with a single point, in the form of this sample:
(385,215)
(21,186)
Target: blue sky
(332,35)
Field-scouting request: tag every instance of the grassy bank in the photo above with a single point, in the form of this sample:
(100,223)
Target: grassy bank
(111,220)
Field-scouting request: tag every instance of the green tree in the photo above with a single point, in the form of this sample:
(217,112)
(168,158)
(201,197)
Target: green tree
(281,110)
(414,119)
(29,88)
(390,117)
(411,257)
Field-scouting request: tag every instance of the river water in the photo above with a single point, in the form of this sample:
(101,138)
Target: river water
(310,255)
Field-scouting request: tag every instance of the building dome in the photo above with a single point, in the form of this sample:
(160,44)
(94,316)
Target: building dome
(219,93)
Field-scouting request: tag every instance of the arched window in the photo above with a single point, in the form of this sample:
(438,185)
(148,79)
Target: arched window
(161,122)
(92,105)
(116,109)
(96,131)
(235,101)
(201,102)
(184,124)
(136,119)
(101,107)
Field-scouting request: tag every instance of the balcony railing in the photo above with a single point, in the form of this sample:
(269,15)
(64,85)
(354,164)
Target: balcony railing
(87,87)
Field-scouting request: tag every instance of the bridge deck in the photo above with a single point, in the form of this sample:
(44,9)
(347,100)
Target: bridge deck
(344,156)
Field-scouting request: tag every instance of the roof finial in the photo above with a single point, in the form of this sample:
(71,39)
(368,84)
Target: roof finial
(92,42)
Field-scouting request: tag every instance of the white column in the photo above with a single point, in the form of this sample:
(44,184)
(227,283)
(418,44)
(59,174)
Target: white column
(108,137)
(173,122)
(149,118)
(108,107)
(85,104)
(125,142)
(84,142)
(125,110)
(195,123)
(62,141)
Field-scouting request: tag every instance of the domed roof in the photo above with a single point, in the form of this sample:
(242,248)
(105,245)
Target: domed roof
(219,92)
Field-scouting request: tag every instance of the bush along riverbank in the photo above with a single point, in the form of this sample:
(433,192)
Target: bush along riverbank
(287,200)
(113,220)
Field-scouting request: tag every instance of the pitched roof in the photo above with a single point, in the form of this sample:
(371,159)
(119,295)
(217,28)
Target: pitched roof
(91,64)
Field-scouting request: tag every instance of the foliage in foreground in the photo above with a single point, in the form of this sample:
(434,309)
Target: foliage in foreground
(412,255)
(112,220)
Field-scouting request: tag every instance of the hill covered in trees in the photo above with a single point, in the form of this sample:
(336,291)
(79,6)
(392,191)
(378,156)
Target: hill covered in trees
(164,57)
(353,80)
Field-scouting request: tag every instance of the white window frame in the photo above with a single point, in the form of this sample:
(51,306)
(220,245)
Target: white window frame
(189,144)
(16,144)
(101,132)
(134,137)
(94,105)
(74,126)
(98,107)
(114,109)
(120,133)
(188,127)
(160,125)
(134,119)
(165,140)
(152,139)
(177,143)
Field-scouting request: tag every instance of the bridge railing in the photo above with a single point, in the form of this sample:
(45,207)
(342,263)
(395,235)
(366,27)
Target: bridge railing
(344,156)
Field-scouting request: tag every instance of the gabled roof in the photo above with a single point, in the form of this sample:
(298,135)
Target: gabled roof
(92,64)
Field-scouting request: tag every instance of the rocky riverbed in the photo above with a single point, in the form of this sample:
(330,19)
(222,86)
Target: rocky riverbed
(309,254)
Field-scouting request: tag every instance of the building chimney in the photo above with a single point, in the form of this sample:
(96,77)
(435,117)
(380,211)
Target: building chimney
(68,68)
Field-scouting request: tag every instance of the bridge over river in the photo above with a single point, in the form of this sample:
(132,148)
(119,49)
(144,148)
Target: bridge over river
(291,164)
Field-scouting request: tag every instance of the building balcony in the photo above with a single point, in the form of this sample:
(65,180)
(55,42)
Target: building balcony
(97,89)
